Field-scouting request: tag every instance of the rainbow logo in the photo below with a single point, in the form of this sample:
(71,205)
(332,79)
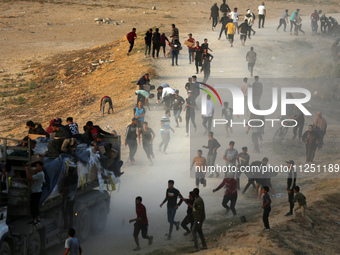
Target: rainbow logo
(210,94)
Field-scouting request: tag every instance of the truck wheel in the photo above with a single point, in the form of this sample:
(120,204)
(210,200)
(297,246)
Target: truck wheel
(84,224)
(5,248)
(34,243)
(99,217)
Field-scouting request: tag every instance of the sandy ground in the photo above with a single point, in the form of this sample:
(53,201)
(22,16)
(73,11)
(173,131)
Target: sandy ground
(274,60)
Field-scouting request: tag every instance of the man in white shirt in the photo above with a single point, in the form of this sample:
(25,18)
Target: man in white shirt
(234,16)
(208,116)
(262,14)
(167,96)
(244,88)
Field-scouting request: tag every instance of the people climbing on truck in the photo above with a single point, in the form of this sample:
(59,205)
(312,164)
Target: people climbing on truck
(37,180)
(36,129)
(92,131)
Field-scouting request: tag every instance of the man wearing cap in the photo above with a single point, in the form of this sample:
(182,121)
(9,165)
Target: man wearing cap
(292,20)
(177,103)
(214,15)
(291,183)
(191,48)
(314,22)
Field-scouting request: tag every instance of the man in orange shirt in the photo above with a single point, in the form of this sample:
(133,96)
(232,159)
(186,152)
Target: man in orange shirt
(200,168)
(231,28)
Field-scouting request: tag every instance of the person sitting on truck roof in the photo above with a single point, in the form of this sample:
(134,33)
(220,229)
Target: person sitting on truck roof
(91,132)
(72,128)
(72,244)
(60,131)
(36,129)
(49,128)
(36,190)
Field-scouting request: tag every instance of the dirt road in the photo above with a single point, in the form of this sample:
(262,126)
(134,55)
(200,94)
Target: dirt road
(150,182)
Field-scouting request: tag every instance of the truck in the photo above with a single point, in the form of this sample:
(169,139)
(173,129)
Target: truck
(88,213)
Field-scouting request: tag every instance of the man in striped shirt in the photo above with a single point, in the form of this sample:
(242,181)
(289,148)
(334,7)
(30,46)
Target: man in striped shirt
(165,131)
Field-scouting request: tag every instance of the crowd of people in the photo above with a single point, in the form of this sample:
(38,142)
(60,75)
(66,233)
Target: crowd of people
(138,132)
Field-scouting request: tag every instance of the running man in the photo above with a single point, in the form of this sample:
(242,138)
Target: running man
(251,59)
(212,147)
(131,37)
(200,169)
(231,29)
(165,131)
(103,101)
(206,59)
(243,29)
(224,21)
(171,196)
(199,217)
(141,223)
(224,8)
(190,107)
(197,55)
(132,132)
(139,113)
(148,136)
(189,219)
(283,20)
(177,103)
(230,193)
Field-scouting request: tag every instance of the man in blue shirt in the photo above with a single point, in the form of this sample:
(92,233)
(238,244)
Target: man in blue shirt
(292,20)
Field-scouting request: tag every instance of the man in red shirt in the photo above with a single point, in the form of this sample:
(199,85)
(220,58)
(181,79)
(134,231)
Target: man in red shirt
(103,101)
(141,223)
(230,193)
(131,37)
(191,48)
(314,19)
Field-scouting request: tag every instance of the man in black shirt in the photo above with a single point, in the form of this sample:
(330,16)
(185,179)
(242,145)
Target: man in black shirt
(177,103)
(171,196)
(243,29)
(148,39)
(144,80)
(132,131)
(224,21)
(224,8)
(190,107)
(148,135)
(156,40)
(212,147)
(189,219)
(214,15)
(251,175)
(36,129)
(291,183)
